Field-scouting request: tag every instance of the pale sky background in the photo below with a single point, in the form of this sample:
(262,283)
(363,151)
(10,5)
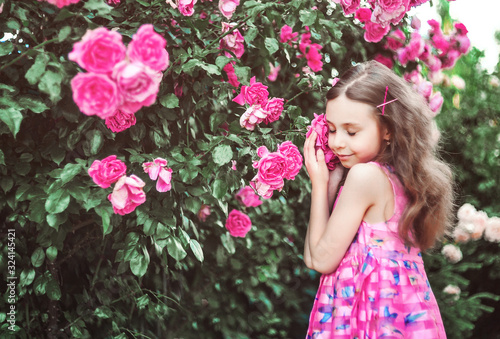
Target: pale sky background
(481,19)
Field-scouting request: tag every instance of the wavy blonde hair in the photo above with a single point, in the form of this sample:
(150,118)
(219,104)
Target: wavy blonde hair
(412,153)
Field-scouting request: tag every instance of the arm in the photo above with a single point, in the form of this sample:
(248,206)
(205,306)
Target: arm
(328,237)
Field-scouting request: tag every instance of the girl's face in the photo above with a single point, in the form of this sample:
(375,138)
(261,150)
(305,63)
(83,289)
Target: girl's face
(355,134)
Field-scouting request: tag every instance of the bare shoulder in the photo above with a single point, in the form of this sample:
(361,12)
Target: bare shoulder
(368,179)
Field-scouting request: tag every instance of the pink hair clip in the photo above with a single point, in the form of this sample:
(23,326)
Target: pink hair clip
(385,98)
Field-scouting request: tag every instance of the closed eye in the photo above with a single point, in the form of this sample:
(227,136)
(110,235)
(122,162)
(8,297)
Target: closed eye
(351,133)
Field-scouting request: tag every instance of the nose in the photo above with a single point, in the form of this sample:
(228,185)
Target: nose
(336,141)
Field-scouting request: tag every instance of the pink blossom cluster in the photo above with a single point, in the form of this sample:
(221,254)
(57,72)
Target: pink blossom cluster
(186,7)
(380,15)
(61,3)
(157,171)
(119,80)
(228,7)
(452,253)
(127,193)
(247,197)
(322,130)
(453,290)
(473,224)
(238,223)
(274,167)
(309,50)
(262,109)
(232,44)
(425,88)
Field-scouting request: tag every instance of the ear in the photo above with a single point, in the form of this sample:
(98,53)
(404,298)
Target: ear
(386,135)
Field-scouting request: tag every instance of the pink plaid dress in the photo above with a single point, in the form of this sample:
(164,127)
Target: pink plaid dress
(380,288)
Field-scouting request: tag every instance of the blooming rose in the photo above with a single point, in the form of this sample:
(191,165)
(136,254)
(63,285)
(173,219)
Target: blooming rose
(492,230)
(247,197)
(99,50)
(120,121)
(107,171)
(255,94)
(384,60)
(363,14)
(231,74)
(287,34)
(452,253)
(238,223)
(460,235)
(148,47)
(389,11)
(227,7)
(157,171)
(204,212)
(272,168)
(479,222)
(395,40)
(264,190)
(293,159)
(435,102)
(186,7)
(273,72)
(320,126)
(95,94)
(314,58)
(254,115)
(274,107)
(61,3)
(127,194)
(232,42)
(137,83)
(375,32)
(349,6)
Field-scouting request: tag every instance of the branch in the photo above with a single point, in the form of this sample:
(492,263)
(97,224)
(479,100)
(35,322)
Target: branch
(22,55)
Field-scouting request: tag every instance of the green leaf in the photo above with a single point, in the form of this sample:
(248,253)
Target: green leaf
(175,249)
(100,6)
(6,183)
(2,158)
(222,61)
(169,101)
(35,72)
(6,48)
(139,264)
(219,188)
(251,34)
(12,118)
(50,83)
(222,154)
(192,204)
(70,171)
(216,119)
(51,253)
(103,312)
(94,142)
(32,103)
(196,248)
(57,201)
(271,45)
(228,242)
(195,191)
(307,16)
(64,33)
(52,289)
(27,276)
(38,257)
(243,73)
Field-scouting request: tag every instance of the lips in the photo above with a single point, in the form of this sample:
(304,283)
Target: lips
(343,157)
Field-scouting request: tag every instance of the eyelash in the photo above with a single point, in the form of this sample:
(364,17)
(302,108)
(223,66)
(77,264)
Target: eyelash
(349,133)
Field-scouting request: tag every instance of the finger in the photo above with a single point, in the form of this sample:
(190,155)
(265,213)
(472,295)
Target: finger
(320,155)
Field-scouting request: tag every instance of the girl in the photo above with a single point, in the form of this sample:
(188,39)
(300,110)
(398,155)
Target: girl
(395,202)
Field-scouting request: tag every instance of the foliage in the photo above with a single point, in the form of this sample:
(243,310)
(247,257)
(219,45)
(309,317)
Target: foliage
(161,271)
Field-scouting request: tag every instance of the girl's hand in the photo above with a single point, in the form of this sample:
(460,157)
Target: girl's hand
(315,162)
(333,183)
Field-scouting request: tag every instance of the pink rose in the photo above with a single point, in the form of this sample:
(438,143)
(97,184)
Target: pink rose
(460,28)
(272,168)
(415,3)
(425,89)
(435,102)
(492,230)
(395,40)
(389,11)
(363,14)
(293,159)
(305,41)
(204,212)
(349,6)
(384,60)
(463,43)
(107,171)
(466,212)
(273,72)
(137,83)
(238,224)
(62,3)
(254,115)
(231,74)
(416,23)
(113,2)
(232,42)
(287,34)
(228,7)
(255,94)
(453,290)
(321,127)
(264,190)
(120,121)
(314,59)
(127,194)
(157,171)
(274,107)
(375,32)
(460,235)
(449,59)
(99,50)
(186,7)
(95,94)
(452,253)
(148,47)
(246,196)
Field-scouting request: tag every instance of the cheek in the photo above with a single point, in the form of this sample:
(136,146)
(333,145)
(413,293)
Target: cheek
(330,140)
